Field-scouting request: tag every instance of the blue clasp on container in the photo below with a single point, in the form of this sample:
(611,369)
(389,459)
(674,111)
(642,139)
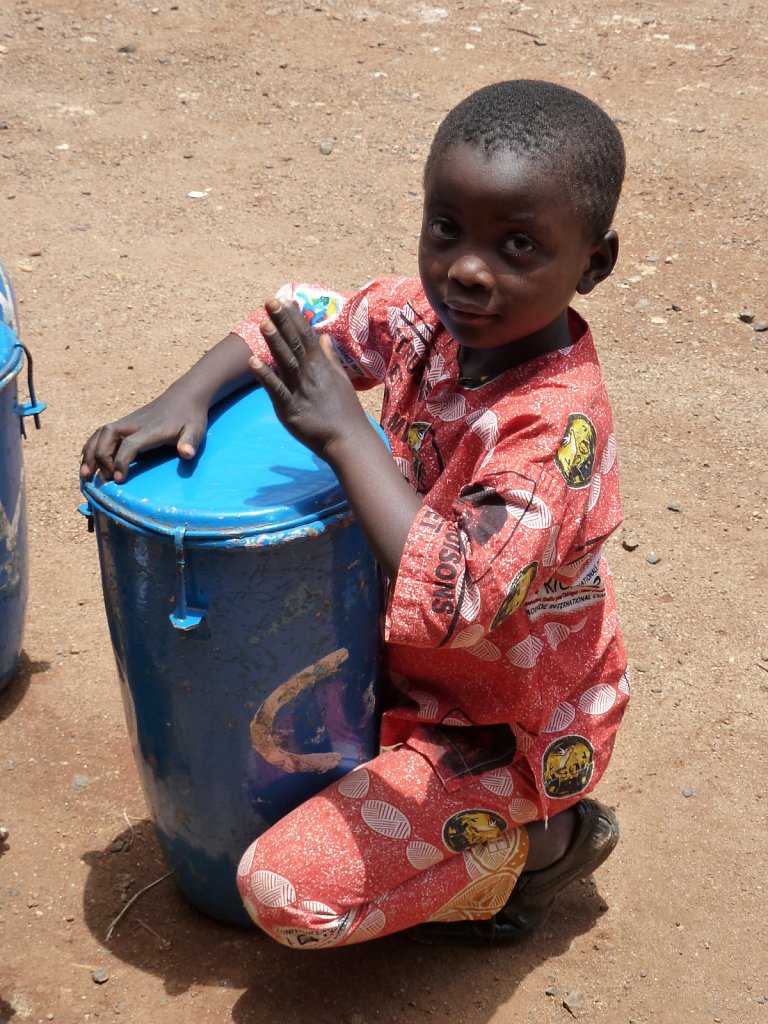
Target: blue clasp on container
(184,616)
(32,407)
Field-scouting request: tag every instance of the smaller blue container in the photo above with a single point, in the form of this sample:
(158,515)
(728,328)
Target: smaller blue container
(244,609)
(14,567)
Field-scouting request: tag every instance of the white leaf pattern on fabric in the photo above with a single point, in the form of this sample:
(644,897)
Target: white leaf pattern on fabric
(456,719)
(374,364)
(597,699)
(485,424)
(594,491)
(356,784)
(624,682)
(428,705)
(393,319)
(573,569)
(422,855)
(272,889)
(319,909)
(406,322)
(436,370)
(529,509)
(487,458)
(244,867)
(449,408)
(523,739)
(468,637)
(385,819)
(556,632)
(550,551)
(560,718)
(404,466)
(470,601)
(371,926)
(526,653)
(521,810)
(486,650)
(359,320)
(499,781)
(609,455)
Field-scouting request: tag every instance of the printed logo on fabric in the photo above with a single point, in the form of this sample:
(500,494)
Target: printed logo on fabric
(516,594)
(466,828)
(575,458)
(567,766)
(334,933)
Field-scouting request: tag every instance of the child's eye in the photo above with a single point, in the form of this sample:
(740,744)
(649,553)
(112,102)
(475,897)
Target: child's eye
(443,229)
(518,244)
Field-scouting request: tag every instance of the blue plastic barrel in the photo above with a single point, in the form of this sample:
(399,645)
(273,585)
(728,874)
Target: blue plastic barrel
(244,610)
(14,566)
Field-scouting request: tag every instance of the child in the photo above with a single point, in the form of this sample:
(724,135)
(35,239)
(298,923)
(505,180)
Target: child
(504,662)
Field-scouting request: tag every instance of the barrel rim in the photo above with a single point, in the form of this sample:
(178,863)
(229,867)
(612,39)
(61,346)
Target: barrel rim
(11,369)
(232,531)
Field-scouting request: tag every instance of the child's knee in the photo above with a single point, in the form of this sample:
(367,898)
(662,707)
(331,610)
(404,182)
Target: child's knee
(297,921)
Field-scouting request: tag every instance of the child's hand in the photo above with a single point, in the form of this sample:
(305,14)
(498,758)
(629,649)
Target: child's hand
(178,417)
(170,419)
(314,399)
(311,393)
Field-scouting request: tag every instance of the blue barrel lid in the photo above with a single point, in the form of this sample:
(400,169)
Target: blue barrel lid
(10,355)
(249,477)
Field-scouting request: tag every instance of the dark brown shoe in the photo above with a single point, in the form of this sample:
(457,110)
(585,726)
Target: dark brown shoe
(596,835)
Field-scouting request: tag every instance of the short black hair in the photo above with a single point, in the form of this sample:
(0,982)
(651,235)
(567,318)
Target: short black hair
(541,120)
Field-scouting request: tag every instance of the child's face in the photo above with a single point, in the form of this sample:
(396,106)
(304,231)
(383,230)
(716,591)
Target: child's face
(501,252)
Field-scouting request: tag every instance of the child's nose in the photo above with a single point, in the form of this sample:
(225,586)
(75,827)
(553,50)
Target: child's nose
(471,271)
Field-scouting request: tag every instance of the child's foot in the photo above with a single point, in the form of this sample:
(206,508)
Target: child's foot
(595,836)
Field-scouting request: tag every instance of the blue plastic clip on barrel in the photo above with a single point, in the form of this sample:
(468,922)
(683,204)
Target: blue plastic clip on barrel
(14,566)
(244,609)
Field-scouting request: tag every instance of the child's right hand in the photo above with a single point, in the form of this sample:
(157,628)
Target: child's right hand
(179,416)
(170,419)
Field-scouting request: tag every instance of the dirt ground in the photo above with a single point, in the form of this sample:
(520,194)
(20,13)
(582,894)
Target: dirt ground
(305,125)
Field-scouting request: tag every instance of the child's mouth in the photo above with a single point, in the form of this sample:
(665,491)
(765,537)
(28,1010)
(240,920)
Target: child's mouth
(462,313)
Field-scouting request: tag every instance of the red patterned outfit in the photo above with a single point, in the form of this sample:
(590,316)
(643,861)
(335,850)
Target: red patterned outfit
(503,653)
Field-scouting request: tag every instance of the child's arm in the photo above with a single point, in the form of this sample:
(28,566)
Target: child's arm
(316,402)
(179,416)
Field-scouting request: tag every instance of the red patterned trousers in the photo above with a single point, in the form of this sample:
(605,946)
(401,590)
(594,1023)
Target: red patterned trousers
(385,848)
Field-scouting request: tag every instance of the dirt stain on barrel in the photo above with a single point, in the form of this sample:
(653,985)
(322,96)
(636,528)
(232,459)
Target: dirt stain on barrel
(262,725)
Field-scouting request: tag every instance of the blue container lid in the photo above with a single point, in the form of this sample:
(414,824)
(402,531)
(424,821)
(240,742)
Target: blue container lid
(249,477)
(11,355)
(9,313)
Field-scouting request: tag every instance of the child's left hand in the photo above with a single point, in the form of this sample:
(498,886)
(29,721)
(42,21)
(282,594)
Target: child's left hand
(315,401)
(312,395)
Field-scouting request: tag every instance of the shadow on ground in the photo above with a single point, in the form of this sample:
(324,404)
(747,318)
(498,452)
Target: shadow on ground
(162,934)
(13,692)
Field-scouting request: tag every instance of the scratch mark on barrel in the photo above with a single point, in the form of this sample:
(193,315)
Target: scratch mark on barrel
(262,736)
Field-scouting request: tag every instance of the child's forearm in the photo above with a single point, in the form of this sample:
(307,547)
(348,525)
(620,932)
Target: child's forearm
(220,372)
(179,416)
(384,503)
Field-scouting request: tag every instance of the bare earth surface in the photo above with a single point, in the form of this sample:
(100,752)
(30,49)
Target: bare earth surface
(305,125)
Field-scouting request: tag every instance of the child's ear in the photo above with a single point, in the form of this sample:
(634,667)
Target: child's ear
(602,260)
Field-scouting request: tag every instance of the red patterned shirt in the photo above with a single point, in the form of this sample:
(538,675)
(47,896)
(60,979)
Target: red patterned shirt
(503,613)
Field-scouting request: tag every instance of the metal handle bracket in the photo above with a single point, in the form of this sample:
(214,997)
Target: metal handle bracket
(184,616)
